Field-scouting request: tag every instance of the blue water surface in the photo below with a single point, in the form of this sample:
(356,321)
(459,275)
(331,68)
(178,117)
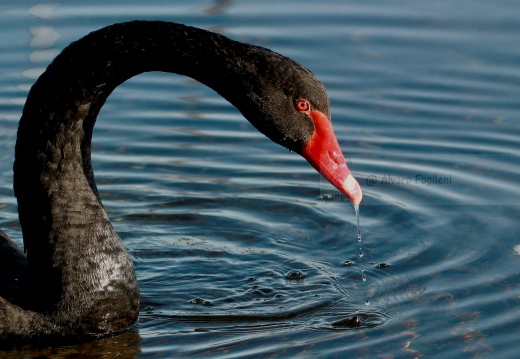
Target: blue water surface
(425,101)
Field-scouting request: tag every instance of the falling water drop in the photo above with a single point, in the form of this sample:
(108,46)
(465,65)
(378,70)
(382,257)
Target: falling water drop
(361,254)
(358,226)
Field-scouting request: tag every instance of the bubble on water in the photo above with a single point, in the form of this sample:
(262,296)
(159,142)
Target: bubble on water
(367,302)
(354,322)
(383,265)
(200,301)
(361,319)
(295,274)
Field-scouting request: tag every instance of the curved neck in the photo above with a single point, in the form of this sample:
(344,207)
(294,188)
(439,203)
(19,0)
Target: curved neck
(55,130)
(59,206)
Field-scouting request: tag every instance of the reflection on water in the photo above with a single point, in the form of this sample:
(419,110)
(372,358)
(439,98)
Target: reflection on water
(241,249)
(43,11)
(220,7)
(124,345)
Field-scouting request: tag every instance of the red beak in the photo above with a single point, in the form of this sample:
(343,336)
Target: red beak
(324,154)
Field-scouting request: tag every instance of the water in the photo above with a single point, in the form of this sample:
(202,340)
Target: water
(425,103)
(357,222)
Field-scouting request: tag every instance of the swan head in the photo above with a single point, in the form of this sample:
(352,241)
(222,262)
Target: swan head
(290,105)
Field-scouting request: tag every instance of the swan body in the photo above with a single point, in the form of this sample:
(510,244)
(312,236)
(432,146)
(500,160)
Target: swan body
(75,277)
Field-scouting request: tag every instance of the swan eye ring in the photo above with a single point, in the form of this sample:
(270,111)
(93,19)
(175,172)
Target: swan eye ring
(303,106)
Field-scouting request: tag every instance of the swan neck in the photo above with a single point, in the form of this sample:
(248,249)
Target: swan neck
(74,253)
(53,160)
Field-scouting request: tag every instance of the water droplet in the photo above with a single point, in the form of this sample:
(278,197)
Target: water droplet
(358,226)
(347,263)
(294,274)
(361,254)
(363,276)
(367,302)
(383,265)
(251,279)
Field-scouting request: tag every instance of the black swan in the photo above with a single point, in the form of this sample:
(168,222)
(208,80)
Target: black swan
(76,278)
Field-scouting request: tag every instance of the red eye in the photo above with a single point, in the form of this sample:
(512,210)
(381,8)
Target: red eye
(303,106)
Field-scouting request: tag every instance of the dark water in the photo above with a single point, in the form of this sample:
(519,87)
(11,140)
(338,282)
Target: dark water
(241,250)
